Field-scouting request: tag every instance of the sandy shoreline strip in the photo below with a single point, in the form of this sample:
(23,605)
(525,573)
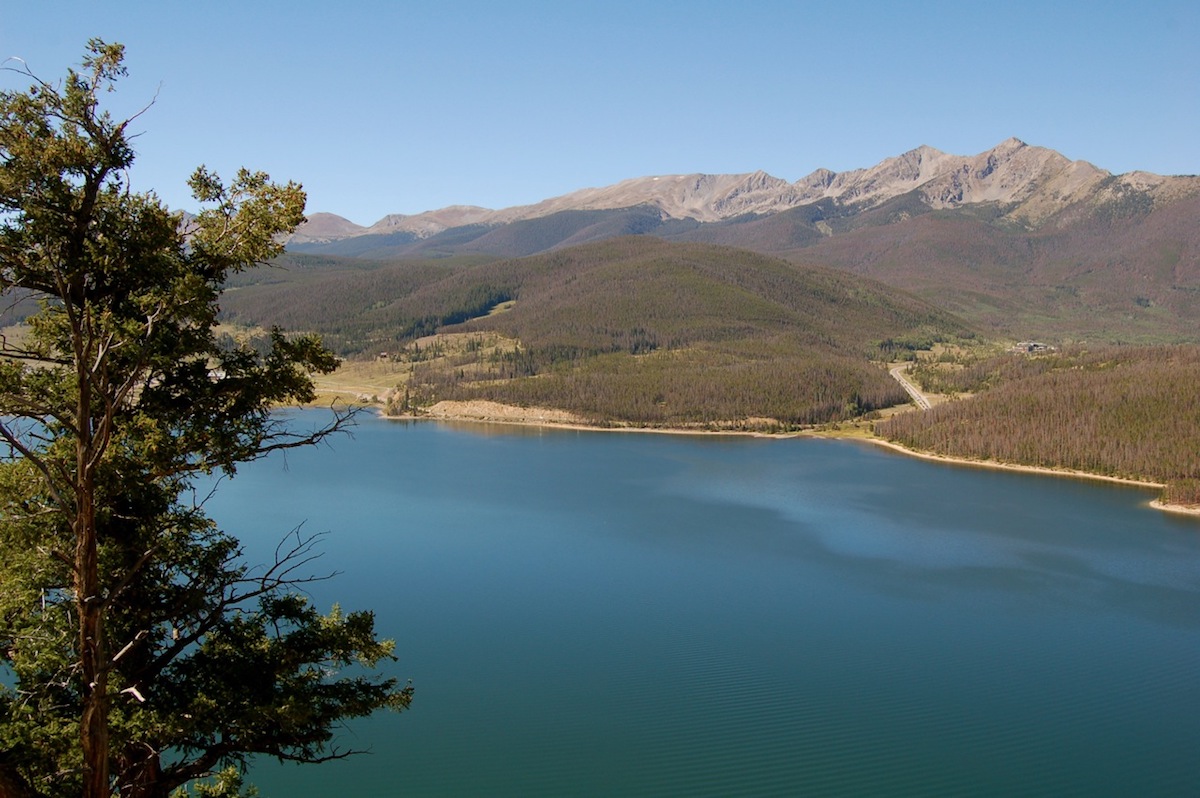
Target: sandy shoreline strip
(1057,472)
(496,413)
(1157,504)
(478,411)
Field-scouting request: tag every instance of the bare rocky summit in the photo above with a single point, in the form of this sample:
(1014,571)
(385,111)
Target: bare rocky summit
(322,227)
(432,222)
(1034,182)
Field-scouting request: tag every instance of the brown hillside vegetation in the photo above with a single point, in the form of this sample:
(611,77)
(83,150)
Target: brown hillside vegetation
(1123,412)
(1019,239)
(1108,272)
(642,331)
(642,293)
(340,298)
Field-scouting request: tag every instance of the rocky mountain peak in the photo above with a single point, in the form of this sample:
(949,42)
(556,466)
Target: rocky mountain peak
(423,225)
(320,227)
(1009,145)
(1035,182)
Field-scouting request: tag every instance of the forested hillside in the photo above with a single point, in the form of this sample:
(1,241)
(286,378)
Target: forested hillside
(341,298)
(1020,241)
(1117,272)
(628,330)
(1127,412)
(640,331)
(639,294)
(1124,270)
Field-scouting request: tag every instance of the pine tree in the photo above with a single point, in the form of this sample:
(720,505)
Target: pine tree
(139,652)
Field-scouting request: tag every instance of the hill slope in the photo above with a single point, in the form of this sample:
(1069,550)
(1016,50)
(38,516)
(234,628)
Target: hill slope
(1130,412)
(1019,238)
(633,330)
(641,331)
(1104,272)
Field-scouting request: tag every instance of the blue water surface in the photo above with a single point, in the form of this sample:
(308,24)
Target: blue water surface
(586,613)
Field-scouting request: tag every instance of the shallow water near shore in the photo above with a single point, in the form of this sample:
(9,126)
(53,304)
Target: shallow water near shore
(588,613)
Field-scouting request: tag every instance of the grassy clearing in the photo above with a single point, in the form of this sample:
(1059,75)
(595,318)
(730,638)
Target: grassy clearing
(387,377)
(502,307)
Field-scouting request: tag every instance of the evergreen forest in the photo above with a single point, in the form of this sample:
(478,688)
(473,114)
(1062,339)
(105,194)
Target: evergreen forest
(627,331)
(645,332)
(1131,412)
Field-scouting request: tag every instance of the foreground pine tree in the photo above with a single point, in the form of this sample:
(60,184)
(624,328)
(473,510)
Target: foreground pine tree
(138,652)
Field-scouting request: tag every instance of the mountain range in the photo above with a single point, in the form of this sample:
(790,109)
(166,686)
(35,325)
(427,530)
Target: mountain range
(1018,238)
(1038,182)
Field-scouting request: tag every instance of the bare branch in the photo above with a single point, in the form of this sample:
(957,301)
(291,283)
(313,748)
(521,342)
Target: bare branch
(35,460)
(133,572)
(277,576)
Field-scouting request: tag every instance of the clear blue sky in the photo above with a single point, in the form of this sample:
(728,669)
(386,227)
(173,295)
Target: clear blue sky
(401,107)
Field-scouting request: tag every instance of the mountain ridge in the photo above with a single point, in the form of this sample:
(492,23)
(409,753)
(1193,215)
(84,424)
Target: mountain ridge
(1038,182)
(1019,239)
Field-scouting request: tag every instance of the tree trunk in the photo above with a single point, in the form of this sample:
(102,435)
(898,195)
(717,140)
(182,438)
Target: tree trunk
(93,726)
(142,777)
(93,722)
(12,785)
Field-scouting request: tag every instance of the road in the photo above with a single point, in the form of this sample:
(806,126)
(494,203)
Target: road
(918,397)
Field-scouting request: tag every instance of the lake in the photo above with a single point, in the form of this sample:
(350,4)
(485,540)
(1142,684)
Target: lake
(589,613)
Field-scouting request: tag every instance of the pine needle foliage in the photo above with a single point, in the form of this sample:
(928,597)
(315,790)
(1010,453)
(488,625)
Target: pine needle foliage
(138,651)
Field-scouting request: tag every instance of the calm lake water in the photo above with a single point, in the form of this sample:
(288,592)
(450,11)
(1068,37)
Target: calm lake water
(627,614)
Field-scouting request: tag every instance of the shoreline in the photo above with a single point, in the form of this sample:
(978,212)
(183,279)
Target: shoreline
(485,412)
(1028,469)
(1178,509)
(540,417)
(1070,473)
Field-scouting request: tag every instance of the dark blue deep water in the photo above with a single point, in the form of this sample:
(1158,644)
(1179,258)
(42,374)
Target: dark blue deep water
(629,614)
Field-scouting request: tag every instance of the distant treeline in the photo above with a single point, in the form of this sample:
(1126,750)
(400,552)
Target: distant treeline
(631,294)
(704,387)
(351,303)
(1125,412)
(644,332)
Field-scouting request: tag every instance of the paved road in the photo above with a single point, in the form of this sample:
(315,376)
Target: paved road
(918,397)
